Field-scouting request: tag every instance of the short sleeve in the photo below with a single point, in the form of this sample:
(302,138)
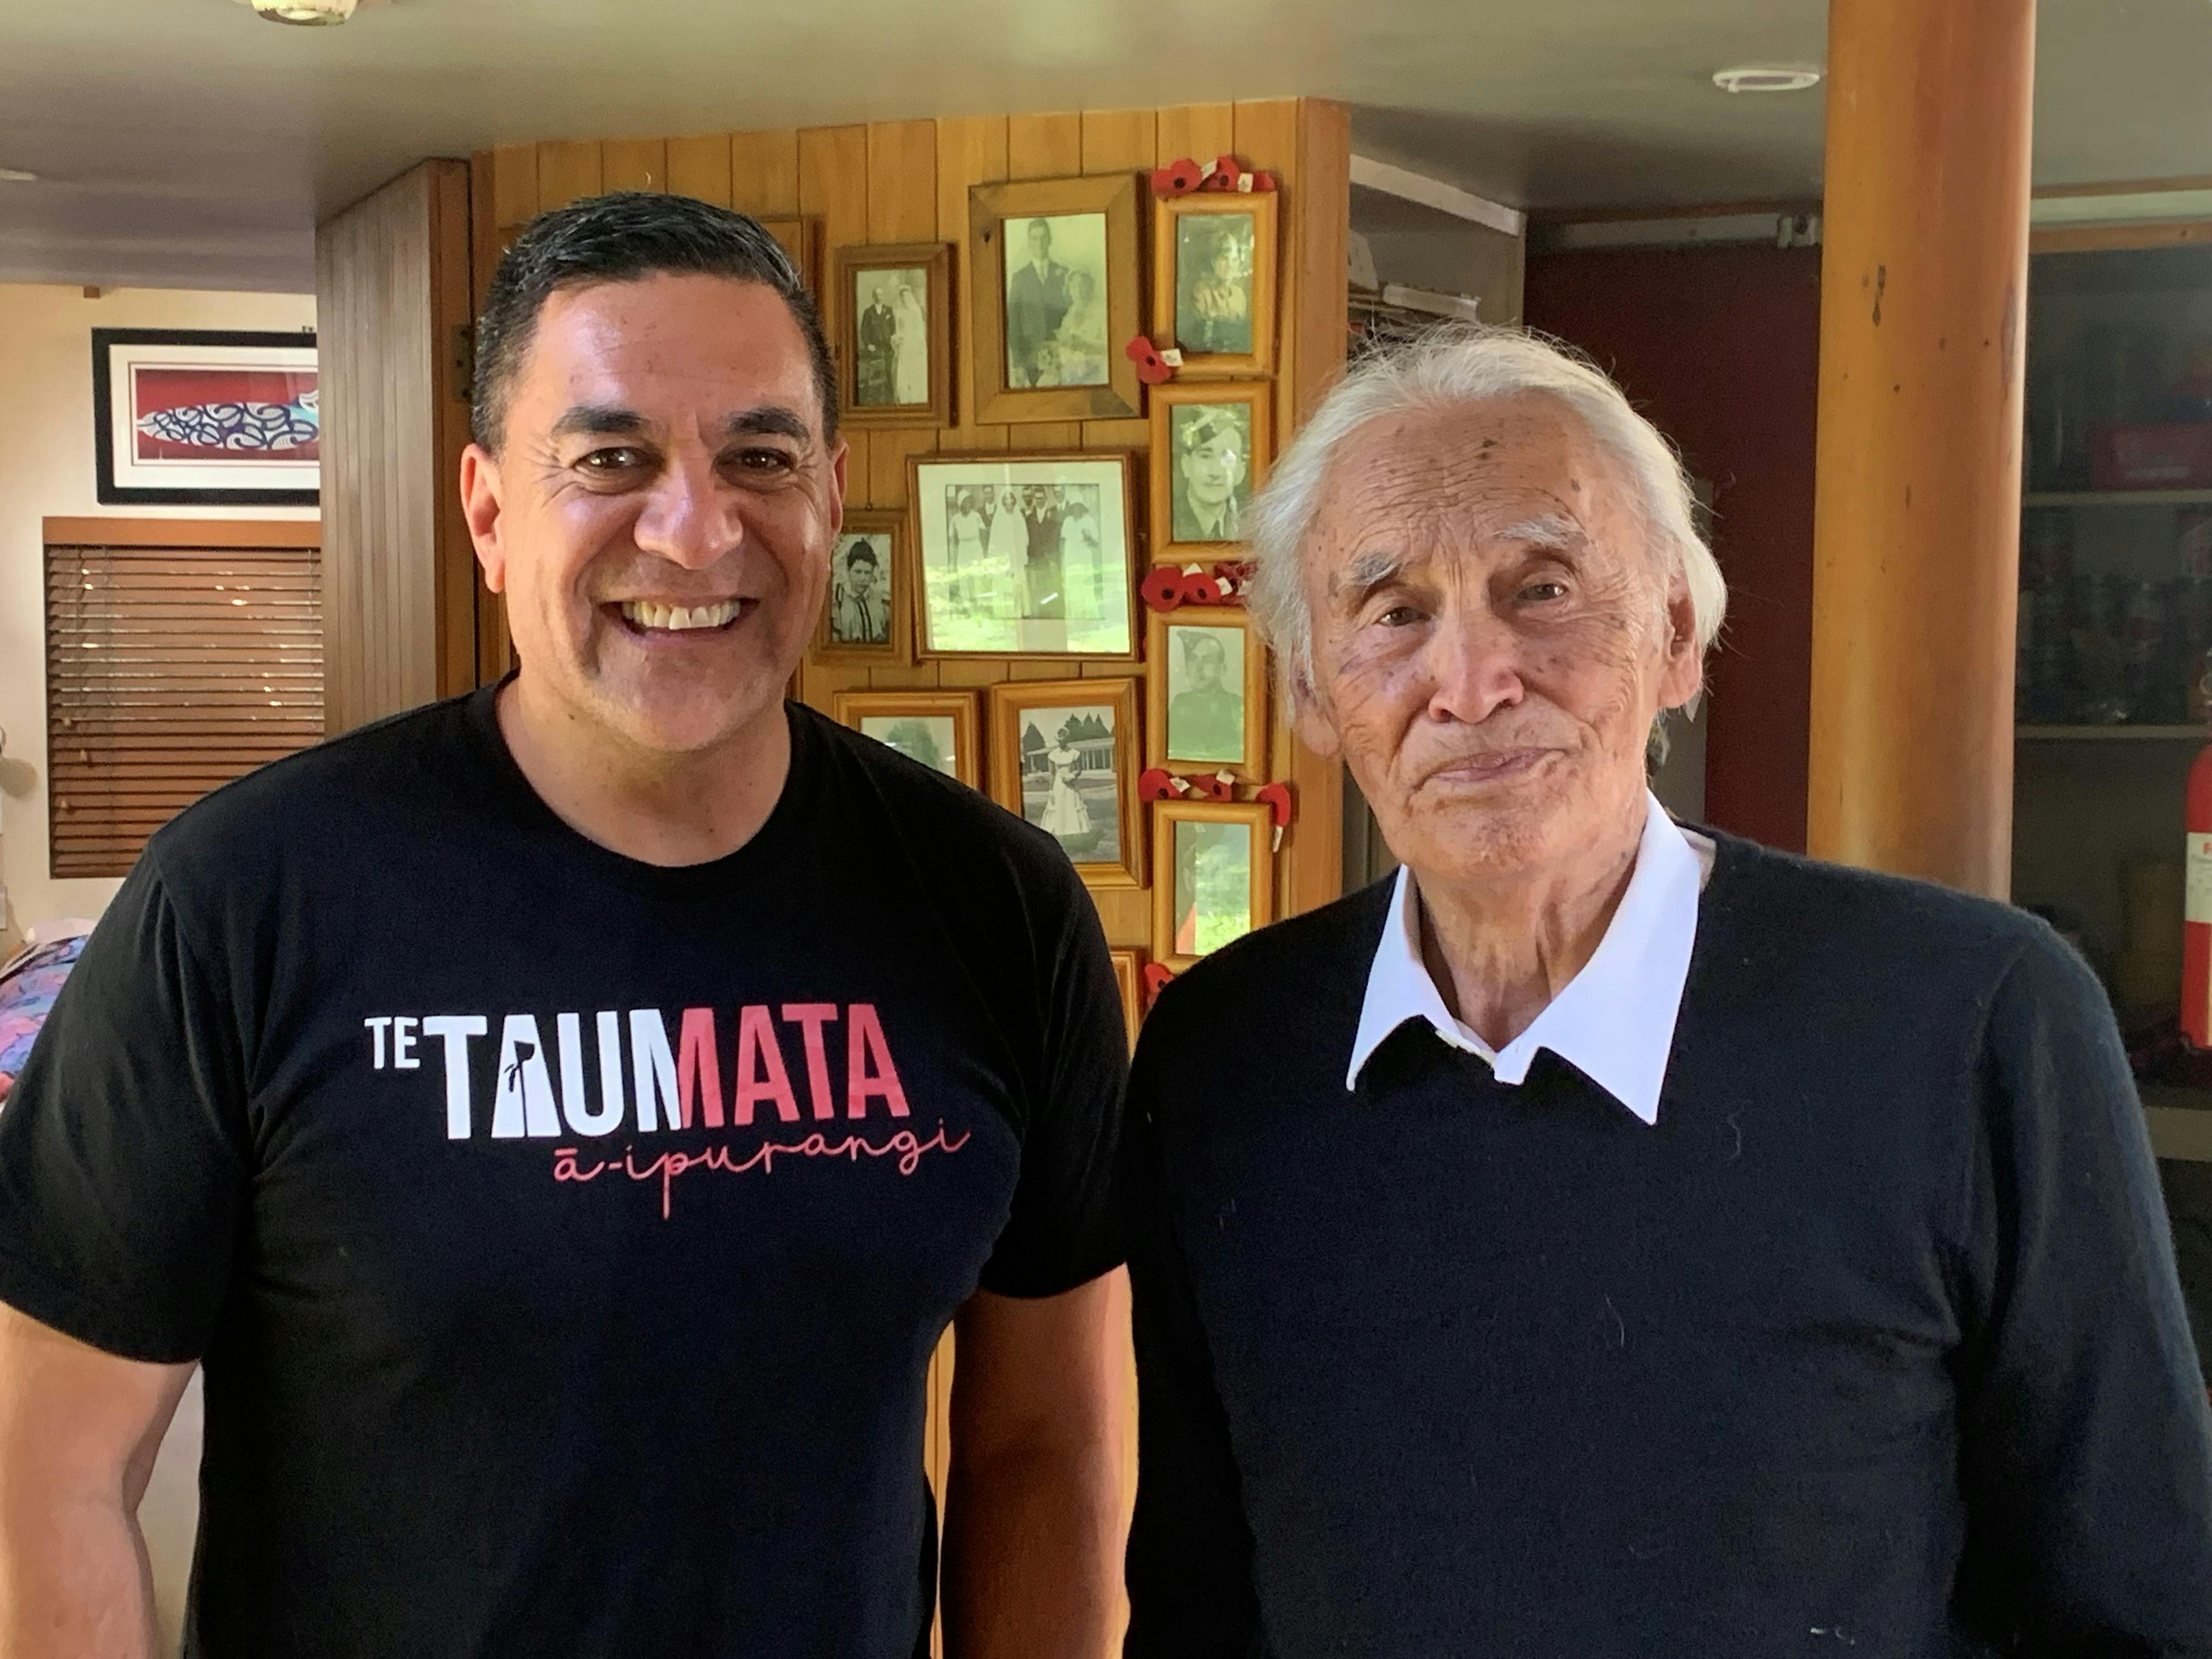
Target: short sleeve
(2087,1454)
(123,1164)
(1063,1229)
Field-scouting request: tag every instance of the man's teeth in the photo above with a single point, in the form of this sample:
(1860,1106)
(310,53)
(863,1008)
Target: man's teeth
(675,618)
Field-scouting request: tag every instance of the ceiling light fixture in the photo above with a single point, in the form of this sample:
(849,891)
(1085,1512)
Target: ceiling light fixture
(1764,77)
(17,176)
(311,13)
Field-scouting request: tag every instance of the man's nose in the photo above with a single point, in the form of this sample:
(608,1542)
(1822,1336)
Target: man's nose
(690,518)
(1474,662)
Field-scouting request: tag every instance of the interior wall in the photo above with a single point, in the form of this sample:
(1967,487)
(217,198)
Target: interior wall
(1424,247)
(46,469)
(1720,347)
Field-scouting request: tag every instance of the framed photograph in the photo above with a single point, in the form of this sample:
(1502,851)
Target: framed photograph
(1064,756)
(1205,694)
(1216,882)
(1213,283)
(801,239)
(1211,442)
(208,418)
(1129,976)
(895,334)
(937,728)
(1023,554)
(1053,298)
(867,611)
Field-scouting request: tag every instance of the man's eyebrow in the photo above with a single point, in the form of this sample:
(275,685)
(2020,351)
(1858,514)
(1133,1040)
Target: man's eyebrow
(599,421)
(770,420)
(1554,530)
(1377,567)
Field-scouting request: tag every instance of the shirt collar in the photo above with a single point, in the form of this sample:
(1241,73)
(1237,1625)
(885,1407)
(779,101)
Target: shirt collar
(1614,1022)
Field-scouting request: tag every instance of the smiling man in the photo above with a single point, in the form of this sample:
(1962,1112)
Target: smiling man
(1607,1237)
(562,1169)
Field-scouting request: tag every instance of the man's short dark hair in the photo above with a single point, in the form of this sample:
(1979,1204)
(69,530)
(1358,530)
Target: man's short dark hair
(624,237)
(860,552)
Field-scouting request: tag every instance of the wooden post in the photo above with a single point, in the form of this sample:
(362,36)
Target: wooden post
(1916,515)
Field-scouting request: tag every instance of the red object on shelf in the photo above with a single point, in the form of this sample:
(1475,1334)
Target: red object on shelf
(2196,907)
(2177,455)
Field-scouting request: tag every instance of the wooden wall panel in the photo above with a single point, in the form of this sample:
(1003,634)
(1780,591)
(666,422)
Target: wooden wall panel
(1199,132)
(764,173)
(902,181)
(699,167)
(971,150)
(568,172)
(1119,140)
(1044,146)
(634,164)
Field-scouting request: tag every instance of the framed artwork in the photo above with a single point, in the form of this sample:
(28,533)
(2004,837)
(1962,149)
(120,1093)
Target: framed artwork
(1212,443)
(895,334)
(1064,756)
(1023,554)
(1218,878)
(867,611)
(1128,976)
(1206,693)
(937,728)
(210,417)
(801,239)
(1213,283)
(1053,298)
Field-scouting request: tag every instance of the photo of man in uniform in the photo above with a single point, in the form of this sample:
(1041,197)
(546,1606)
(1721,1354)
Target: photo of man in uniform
(1206,715)
(1212,458)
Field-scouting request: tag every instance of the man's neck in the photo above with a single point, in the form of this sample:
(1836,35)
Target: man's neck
(668,810)
(1500,951)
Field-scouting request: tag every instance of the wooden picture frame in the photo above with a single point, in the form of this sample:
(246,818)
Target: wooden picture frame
(1177,416)
(802,241)
(882,528)
(1175,901)
(858,709)
(1039,771)
(1129,980)
(976,590)
(859,372)
(1243,665)
(1046,336)
(1177,222)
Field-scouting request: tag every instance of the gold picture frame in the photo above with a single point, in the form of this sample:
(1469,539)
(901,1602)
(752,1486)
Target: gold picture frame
(977,590)
(860,369)
(1178,897)
(961,758)
(1182,316)
(1192,719)
(1129,979)
(836,635)
(1054,339)
(1177,417)
(1049,775)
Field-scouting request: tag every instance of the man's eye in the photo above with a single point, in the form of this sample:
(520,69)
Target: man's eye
(612,460)
(763,460)
(1543,593)
(1399,615)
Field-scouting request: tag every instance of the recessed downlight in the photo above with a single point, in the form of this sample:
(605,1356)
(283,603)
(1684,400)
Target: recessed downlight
(1766,77)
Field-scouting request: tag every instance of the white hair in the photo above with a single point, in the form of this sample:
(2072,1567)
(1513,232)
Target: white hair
(1446,368)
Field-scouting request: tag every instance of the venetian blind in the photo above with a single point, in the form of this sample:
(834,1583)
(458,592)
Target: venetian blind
(170,669)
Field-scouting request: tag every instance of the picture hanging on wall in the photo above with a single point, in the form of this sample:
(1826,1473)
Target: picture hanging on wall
(1217,877)
(895,334)
(1053,298)
(211,418)
(1064,756)
(867,610)
(1213,283)
(937,728)
(1211,442)
(1206,693)
(1023,557)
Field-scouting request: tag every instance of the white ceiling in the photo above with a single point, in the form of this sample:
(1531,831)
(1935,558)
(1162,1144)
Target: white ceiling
(185,143)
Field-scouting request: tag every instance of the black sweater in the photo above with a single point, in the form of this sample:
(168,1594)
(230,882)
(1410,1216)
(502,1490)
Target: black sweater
(1873,1346)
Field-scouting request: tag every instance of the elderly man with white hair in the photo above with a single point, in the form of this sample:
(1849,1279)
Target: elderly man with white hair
(1608,1238)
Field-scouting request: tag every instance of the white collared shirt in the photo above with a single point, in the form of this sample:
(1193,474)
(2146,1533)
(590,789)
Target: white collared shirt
(1615,1021)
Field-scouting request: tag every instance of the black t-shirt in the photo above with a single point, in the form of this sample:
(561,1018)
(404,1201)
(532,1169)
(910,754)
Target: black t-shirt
(565,1237)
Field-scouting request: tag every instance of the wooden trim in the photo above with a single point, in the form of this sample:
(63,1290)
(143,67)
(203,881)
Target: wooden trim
(1010,699)
(2127,187)
(1166,814)
(183,532)
(849,708)
(2113,238)
(1250,767)
(897,650)
(1607,216)
(1258,397)
(1168,215)
(935,261)
(990,208)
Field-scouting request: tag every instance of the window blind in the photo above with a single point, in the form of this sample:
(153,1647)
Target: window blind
(171,669)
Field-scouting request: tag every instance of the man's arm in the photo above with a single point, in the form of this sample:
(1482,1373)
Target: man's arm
(1032,1504)
(78,1433)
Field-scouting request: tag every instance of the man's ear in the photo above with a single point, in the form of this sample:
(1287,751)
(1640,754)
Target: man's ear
(480,507)
(1683,676)
(1310,715)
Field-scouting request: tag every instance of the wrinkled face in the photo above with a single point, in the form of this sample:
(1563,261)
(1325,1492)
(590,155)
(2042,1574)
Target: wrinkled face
(661,513)
(1491,640)
(1213,471)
